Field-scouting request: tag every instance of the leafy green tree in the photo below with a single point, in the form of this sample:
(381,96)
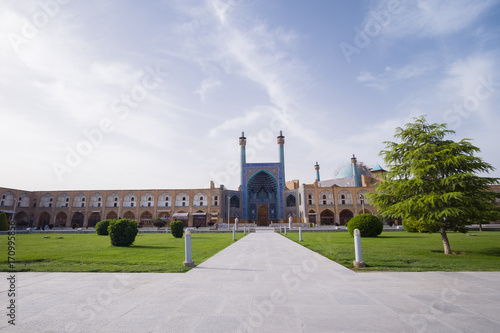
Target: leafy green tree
(433,182)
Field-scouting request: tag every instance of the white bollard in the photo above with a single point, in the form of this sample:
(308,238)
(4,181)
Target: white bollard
(187,237)
(236,221)
(244,230)
(290,222)
(285,230)
(300,234)
(234,234)
(358,263)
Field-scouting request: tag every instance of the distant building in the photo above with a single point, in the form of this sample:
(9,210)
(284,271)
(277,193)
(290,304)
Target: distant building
(264,197)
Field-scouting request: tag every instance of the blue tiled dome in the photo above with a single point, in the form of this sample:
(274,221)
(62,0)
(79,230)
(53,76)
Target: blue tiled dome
(346,172)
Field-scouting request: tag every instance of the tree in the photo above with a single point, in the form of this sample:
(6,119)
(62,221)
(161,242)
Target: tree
(433,182)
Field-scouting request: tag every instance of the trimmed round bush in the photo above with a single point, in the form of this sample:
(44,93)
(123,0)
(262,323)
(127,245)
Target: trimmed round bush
(122,232)
(101,228)
(177,229)
(4,223)
(369,225)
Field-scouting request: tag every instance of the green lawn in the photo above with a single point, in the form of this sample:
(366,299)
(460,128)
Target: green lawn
(155,252)
(409,252)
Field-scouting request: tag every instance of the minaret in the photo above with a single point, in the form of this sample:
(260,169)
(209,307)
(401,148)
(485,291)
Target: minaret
(316,167)
(243,143)
(355,172)
(281,143)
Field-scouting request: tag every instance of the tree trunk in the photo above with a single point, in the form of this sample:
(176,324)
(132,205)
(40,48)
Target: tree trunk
(480,227)
(446,242)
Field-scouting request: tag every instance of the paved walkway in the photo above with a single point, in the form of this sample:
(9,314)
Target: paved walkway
(262,283)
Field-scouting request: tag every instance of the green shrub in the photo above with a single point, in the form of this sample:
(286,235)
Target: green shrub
(4,224)
(369,225)
(122,232)
(177,229)
(101,228)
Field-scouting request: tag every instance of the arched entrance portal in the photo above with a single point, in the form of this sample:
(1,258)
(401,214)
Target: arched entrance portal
(61,219)
(327,217)
(93,219)
(345,216)
(77,220)
(44,219)
(262,193)
(111,216)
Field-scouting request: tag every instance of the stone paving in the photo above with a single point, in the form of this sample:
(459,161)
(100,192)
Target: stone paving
(262,283)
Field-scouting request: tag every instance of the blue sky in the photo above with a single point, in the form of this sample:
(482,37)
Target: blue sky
(154,94)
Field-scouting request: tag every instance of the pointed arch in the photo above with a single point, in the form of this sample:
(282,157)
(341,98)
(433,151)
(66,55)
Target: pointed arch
(111,216)
(327,217)
(129,215)
(61,219)
(43,219)
(345,215)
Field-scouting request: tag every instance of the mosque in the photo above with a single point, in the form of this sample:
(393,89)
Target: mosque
(263,198)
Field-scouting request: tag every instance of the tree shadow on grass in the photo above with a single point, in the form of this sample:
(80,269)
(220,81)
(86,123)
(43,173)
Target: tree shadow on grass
(152,247)
(494,251)
(395,237)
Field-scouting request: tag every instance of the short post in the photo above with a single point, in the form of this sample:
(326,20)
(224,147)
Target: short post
(244,230)
(234,234)
(236,220)
(285,230)
(290,222)
(281,229)
(358,263)
(187,238)
(300,234)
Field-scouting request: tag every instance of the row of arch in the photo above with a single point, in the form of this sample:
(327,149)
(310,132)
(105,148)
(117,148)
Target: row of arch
(327,217)
(343,198)
(77,218)
(148,199)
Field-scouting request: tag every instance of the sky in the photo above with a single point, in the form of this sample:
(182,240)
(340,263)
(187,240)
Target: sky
(155,94)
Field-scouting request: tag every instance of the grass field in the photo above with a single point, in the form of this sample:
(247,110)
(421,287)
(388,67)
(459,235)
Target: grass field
(409,252)
(155,252)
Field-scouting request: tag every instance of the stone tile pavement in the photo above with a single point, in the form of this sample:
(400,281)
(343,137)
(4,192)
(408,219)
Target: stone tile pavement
(262,283)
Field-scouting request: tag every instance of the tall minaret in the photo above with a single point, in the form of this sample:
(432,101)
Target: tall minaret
(316,167)
(281,143)
(243,143)
(355,171)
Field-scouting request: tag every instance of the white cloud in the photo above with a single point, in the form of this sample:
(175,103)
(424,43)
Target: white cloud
(392,75)
(425,18)
(205,86)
